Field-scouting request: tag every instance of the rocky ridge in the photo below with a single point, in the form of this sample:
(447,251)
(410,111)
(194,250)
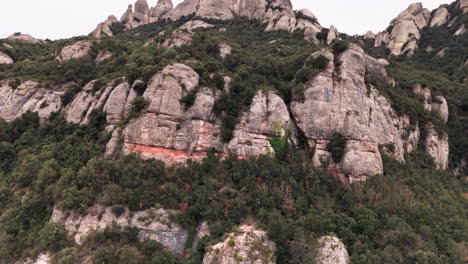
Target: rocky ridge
(335,100)
(404,32)
(277,14)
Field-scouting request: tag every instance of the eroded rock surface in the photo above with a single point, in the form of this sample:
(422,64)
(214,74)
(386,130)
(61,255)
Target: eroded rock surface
(5,59)
(338,100)
(153,224)
(28,96)
(332,251)
(105,28)
(248,245)
(437,146)
(403,34)
(77,50)
(24,38)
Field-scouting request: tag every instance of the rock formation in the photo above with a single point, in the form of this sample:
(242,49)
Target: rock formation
(440,17)
(248,245)
(332,251)
(224,50)
(153,224)
(464,5)
(77,50)
(277,14)
(5,59)
(332,35)
(28,96)
(338,100)
(403,34)
(24,38)
(105,28)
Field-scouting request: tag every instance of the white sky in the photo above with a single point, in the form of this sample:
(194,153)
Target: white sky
(56,19)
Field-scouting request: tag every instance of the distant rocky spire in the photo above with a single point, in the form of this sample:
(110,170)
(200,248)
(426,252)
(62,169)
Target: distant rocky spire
(161,8)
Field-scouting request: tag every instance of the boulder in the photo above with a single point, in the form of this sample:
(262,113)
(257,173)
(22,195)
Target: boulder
(154,224)
(115,103)
(224,50)
(440,17)
(5,59)
(77,50)
(248,245)
(332,251)
(28,96)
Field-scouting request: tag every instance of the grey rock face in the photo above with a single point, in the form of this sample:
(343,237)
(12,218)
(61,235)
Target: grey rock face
(464,6)
(102,56)
(437,146)
(28,96)
(77,50)
(332,251)
(104,28)
(5,59)
(405,30)
(161,8)
(238,249)
(153,224)
(338,100)
(24,38)
(441,17)
(268,117)
(332,35)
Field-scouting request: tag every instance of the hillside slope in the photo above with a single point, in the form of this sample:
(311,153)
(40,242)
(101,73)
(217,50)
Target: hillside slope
(234,132)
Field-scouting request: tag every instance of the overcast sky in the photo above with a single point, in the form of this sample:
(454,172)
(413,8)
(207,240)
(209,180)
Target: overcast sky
(55,19)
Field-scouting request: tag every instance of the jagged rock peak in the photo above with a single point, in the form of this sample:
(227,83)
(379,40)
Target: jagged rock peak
(161,8)
(403,34)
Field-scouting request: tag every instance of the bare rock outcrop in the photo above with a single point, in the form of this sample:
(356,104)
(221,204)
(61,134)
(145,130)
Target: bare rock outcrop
(5,59)
(248,245)
(464,6)
(77,50)
(332,251)
(338,100)
(403,34)
(161,8)
(105,28)
(224,50)
(113,99)
(167,130)
(194,24)
(440,17)
(154,224)
(102,56)
(437,146)
(439,104)
(24,38)
(28,96)
(178,38)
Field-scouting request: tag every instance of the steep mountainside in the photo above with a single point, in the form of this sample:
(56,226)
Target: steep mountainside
(232,131)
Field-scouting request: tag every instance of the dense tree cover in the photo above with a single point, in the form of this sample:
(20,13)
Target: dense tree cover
(412,214)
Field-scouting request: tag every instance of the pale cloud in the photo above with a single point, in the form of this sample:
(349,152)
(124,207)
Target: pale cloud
(56,19)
